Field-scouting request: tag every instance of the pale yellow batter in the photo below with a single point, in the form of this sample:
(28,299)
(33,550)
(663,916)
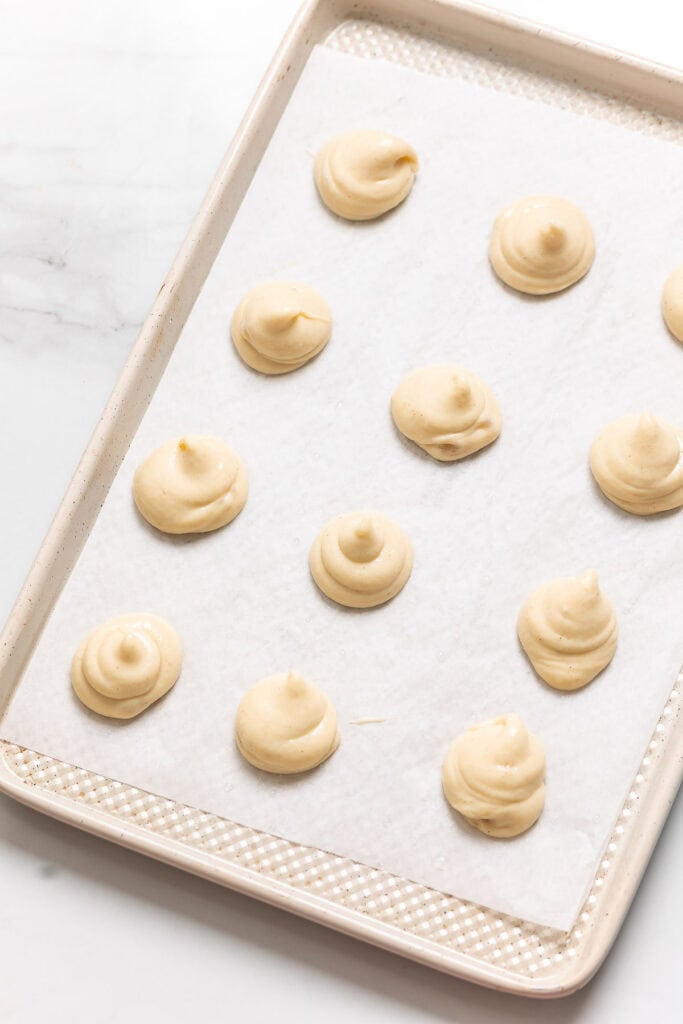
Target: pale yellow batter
(672,303)
(541,244)
(191,484)
(363,174)
(361,559)
(286,725)
(638,464)
(494,776)
(280,325)
(125,665)
(447,410)
(569,631)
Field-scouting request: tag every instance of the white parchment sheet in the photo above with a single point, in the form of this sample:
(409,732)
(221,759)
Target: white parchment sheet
(410,289)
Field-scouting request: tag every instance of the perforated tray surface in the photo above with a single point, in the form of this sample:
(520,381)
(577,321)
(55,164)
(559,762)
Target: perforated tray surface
(453,925)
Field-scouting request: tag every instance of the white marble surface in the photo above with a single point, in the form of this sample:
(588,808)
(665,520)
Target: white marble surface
(114,116)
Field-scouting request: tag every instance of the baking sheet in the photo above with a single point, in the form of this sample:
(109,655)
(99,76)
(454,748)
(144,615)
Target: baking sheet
(410,289)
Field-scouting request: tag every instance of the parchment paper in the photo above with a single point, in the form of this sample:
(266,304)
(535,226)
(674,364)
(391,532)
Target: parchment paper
(410,289)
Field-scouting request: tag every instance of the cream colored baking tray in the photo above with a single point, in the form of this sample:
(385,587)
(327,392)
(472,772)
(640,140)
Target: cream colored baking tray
(439,38)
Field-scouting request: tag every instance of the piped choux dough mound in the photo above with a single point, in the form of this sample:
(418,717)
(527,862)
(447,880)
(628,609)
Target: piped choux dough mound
(637,462)
(286,725)
(568,630)
(541,244)
(280,325)
(361,559)
(363,174)
(191,484)
(494,776)
(672,303)
(448,411)
(126,664)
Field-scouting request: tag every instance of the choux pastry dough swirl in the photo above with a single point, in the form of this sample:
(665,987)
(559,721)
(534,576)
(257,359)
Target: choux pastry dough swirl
(637,462)
(286,725)
(568,630)
(363,174)
(672,303)
(494,776)
(361,559)
(448,411)
(126,664)
(279,325)
(541,244)
(191,484)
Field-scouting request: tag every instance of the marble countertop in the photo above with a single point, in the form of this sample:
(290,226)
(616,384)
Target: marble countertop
(115,116)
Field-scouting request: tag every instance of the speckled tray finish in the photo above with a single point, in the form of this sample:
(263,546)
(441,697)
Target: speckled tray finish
(440,38)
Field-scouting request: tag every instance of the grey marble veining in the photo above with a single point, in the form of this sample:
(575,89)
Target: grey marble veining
(114,118)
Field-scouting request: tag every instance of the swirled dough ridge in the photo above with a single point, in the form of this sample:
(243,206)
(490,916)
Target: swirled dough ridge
(541,244)
(126,664)
(493,775)
(672,303)
(192,484)
(637,462)
(286,725)
(449,411)
(361,559)
(569,631)
(363,174)
(280,325)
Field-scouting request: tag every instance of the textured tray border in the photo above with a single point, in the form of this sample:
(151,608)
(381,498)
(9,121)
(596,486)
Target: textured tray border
(448,928)
(429,926)
(372,39)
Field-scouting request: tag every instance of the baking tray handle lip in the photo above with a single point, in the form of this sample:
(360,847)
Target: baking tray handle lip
(99,822)
(348,921)
(481,16)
